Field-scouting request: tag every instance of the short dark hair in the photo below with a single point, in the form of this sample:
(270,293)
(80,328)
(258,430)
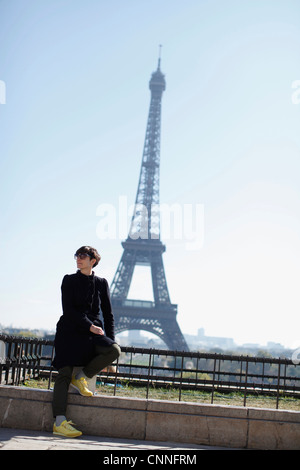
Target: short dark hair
(92,252)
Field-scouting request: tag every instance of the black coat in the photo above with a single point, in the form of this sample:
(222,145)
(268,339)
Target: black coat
(82,298)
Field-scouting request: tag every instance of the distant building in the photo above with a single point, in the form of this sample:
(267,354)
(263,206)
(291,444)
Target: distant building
(275,346)
(202,341)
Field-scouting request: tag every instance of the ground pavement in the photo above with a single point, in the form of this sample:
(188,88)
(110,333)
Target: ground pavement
(17,439)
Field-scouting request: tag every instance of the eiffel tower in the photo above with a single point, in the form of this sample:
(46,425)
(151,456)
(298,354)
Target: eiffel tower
(143,245)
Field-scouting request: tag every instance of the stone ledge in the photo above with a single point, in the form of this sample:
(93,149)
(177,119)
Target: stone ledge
(134,418)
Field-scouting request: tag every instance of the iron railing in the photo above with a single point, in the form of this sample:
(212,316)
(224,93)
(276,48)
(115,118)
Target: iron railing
(158,368)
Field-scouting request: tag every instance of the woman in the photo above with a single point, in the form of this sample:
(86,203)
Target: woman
(80,339)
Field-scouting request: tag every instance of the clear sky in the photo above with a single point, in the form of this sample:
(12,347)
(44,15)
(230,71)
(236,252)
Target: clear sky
(72,130)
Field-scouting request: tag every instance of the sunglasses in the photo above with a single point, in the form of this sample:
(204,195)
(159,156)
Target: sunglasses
(81,256)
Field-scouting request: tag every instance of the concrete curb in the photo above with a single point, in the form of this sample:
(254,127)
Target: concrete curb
(154,420)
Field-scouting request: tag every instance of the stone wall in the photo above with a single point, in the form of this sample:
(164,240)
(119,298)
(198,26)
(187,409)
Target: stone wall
(212,425)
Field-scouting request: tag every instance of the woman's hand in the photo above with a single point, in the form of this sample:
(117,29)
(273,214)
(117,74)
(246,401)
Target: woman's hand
(96,330)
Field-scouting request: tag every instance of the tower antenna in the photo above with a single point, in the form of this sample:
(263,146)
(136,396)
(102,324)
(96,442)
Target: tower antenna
(159,55)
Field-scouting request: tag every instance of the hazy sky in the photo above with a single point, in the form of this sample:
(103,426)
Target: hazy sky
(72,128)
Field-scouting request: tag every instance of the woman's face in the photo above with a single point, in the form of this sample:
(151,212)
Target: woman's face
(84,261)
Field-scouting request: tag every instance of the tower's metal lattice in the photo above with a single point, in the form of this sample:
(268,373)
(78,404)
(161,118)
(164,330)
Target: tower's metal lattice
(143,245)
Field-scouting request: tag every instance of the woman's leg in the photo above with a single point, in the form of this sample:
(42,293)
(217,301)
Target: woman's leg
(61,426)
(105,355)
(60,391)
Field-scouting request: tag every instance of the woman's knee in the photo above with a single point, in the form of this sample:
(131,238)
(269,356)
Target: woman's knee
(113,351)
(117,350)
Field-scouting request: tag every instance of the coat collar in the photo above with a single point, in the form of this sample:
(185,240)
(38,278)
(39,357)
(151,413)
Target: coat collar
(83,276)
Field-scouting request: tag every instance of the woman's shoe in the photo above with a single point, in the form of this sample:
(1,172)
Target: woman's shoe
(66,429)
(81,386)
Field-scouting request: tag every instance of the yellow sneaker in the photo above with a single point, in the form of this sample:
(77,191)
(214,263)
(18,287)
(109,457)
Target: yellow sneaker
(66,429)
(81,386)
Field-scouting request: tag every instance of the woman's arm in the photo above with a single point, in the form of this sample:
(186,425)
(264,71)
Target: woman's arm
(108,317)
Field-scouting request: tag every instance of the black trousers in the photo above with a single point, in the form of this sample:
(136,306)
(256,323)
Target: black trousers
(105,355)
